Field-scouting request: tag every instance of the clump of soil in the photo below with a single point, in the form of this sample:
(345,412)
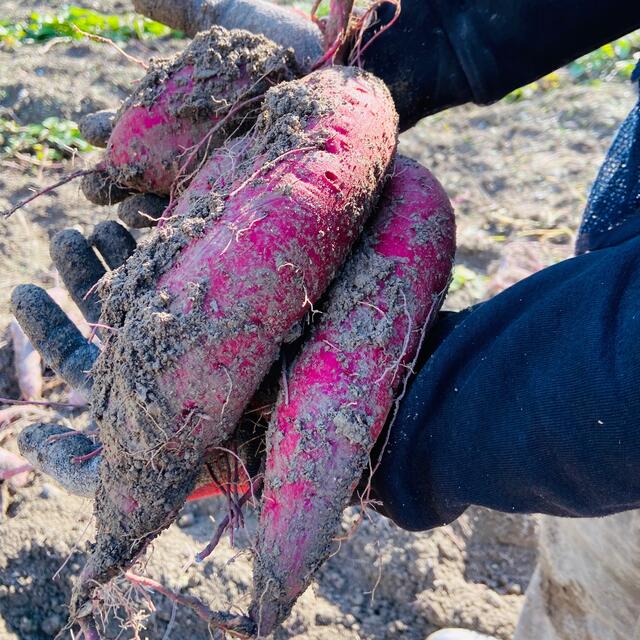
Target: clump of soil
(280,128)
(219,59)
(286,111)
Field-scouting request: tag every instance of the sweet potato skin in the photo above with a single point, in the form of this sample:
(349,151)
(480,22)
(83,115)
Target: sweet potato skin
(206,91)
(198,314)
(341,388)
(280,242)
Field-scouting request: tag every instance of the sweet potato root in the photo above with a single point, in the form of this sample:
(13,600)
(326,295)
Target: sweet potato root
(341,388)
(27,362)
(196,316)
(179,102)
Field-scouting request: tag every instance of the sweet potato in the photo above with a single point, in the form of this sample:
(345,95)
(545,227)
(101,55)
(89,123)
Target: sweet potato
(27,362)
(209,89)
(197,314)
(341,388)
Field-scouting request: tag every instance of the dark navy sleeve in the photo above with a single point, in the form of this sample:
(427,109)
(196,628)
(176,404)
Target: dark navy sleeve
(529,402)
(441,53)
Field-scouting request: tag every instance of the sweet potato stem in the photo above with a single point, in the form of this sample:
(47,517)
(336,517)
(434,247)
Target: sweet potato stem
(41,192)
(236,625)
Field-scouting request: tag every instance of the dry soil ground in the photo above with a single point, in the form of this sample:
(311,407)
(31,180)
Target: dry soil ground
(518,175)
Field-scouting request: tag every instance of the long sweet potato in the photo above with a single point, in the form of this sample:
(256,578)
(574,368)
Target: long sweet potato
(209,89)
(197,314)
(342,386)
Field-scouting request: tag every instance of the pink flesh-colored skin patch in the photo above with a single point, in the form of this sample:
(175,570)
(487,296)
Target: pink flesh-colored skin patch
(297,511)
(155,140)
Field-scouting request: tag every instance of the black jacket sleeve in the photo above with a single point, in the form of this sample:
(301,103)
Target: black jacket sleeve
(529,402)
(441,53)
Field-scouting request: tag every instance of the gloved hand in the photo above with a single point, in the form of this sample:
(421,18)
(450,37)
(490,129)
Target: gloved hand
(72,457)
(525,403)
(284,26)
(529,402)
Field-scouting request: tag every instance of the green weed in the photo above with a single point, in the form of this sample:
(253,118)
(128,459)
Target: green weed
(463,277)
(39,27)
(51,140)
(304,6)
(614,60)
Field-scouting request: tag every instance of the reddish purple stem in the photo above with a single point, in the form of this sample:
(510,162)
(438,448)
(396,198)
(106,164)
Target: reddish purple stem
(213,543)
(87,456)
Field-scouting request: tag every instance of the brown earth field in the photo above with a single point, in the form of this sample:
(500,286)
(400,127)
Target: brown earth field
(518,175)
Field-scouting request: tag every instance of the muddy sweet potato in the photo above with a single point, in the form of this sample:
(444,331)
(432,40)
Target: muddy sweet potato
(342,386)
(196,316)
(210,90)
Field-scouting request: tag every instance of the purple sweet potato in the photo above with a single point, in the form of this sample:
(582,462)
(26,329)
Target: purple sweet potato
(196,316)
(341,388)
(211,89)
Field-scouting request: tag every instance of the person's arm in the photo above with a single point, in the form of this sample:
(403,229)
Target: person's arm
(529,402)
(442,53)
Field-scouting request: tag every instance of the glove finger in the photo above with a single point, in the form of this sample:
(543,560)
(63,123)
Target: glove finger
(182,15)
(64,454)
(96,127)
(80,270)
(100,189)
(280,24)
(114,243)
(142,210)
(73,460)
(55,337)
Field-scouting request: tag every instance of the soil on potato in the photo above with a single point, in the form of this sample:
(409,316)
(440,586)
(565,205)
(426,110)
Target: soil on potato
(230,70)
(517,174)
